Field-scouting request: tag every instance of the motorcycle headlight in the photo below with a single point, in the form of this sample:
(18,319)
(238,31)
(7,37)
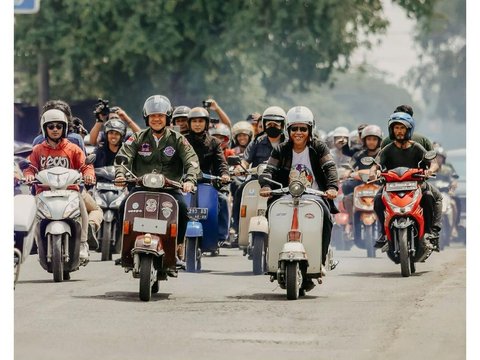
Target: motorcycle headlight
(156,181)
(42,210)
(72,210)
(406,209)
(296,188)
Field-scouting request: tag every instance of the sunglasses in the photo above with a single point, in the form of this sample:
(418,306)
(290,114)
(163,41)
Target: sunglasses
(55,126)
(299,128)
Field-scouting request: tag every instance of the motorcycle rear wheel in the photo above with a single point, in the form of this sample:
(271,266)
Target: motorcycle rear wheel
(405,258)
(258,253)
(146,273)
(293,280)
(57,257)
(369,240)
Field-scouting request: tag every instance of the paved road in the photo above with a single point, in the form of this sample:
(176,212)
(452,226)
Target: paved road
(364,310)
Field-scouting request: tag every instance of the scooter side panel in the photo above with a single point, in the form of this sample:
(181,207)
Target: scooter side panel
(24,212)
(150,205)
(208,198)
(310,220)
(250,199)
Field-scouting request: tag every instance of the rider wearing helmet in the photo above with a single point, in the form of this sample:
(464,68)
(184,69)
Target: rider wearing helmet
(403,152)
(303,157)
(242,133)
(223,134)
(212,160)
(371,138)
(258,151)
(56,150)
(340,139)
(354,143)
(115,130)
(180,118)
(159,147)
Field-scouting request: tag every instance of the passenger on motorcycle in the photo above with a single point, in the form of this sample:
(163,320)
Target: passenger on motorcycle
(353,146)
(180,118)
(115,131)
(307,159)
(212,161)
(160,148)
(258,151)
(403,152)
(223,134)
(340,139)
(56,150)
(371,138)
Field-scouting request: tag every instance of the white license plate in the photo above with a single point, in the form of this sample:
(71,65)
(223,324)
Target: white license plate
(56,193)
(401,186)
(106,186)
(153,226)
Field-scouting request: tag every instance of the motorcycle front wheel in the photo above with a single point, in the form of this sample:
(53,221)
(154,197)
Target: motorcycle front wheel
(146,275)
(57,257)
(369,240)
(107,235)
(259,253)
(293,280)
(192,254)
(404,253)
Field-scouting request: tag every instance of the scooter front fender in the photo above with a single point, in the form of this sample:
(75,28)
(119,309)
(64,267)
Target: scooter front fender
(108,215)
(194,229)
(292,251)
(58,227)
(258,224)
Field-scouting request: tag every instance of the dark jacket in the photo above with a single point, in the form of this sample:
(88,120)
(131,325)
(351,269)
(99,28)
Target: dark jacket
(210,154)
(259,150)
(324,169)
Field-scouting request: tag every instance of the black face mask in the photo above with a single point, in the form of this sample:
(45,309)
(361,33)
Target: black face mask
(273,132)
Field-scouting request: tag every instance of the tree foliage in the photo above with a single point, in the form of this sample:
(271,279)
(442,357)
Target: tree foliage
(442,73)
(189,49)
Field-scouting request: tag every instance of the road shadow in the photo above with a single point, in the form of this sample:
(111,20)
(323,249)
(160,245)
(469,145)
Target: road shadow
(271,297)
(395,274)
(233,273)
(125,296)
(45,281)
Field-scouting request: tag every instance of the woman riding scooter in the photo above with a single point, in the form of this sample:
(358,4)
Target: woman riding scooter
(315,162)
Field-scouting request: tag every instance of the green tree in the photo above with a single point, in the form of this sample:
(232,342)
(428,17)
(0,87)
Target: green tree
(127,50)
(443,70)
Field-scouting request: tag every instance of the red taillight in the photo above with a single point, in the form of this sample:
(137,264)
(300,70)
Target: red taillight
(173,230)
(294,235)
(243,211)
(126,227)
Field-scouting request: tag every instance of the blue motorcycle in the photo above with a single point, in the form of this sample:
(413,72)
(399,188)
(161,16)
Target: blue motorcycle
(202,233)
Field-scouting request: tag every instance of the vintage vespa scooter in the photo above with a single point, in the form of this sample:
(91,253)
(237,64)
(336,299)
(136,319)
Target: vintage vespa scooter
(149,237)
(295,225)
(253,224)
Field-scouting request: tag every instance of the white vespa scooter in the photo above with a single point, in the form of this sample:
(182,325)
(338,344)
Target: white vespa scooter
(253,224)
(24,229)
(295,231)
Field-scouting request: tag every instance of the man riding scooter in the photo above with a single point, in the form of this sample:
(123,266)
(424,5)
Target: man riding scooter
(403,152)
(165,150)
(304,158)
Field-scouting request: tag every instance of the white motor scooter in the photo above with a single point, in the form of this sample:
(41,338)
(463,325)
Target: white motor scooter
(295,238)
(59,224)
(253,224)
(24,229)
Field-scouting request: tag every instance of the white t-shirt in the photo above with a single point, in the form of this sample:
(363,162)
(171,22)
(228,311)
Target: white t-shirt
(302,169)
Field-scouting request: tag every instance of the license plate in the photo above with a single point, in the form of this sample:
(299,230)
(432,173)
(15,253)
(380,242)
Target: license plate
(56,193)
(367,193)
(153,226)
(401,186)
(106,186)
(198,213)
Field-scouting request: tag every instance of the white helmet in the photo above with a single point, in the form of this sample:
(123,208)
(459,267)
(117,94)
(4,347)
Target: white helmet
(341,131)
(273,113)
(300,115)
(242,127)
(372,130)
(54,115)
(220,129)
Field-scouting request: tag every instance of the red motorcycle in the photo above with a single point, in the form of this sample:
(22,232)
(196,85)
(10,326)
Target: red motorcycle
(404,221)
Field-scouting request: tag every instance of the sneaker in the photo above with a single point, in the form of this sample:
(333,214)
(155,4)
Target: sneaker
(92,237)
(172,272)
(118,261)
(225,244)
(308,285)
(84,254)
(380,243)
(180,264)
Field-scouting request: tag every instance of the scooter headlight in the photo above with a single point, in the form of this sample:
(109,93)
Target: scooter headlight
(156,181)
(72,210)
(42,210)
(296,188)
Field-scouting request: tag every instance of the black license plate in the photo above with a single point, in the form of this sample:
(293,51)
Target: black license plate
(198,213)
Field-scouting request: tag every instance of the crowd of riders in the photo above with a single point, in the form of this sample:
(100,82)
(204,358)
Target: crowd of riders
(290,141)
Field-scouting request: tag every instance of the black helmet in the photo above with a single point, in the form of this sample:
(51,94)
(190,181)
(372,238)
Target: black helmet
(199,112)
(157,104)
